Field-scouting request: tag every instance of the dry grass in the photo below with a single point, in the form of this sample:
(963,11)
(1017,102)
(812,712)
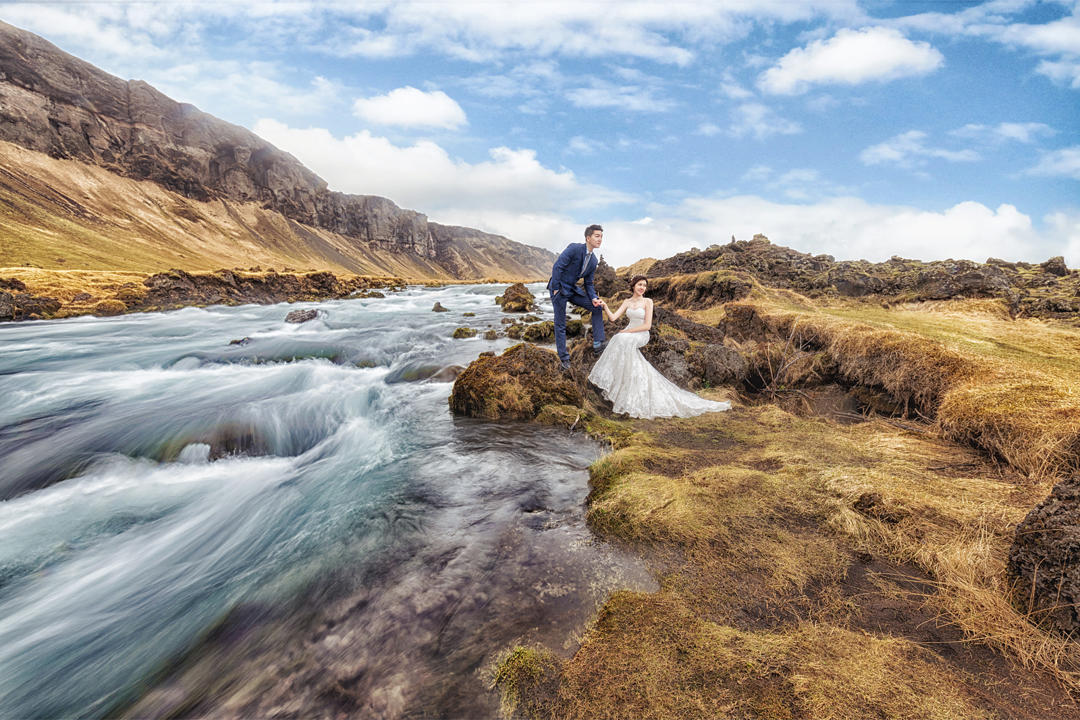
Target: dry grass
(1006,386)
(748,517)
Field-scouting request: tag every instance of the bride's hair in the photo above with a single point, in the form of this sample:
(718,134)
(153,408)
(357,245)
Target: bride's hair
(636,279)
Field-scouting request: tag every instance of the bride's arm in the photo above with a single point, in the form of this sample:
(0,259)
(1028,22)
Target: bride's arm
(613,316)
(646,326)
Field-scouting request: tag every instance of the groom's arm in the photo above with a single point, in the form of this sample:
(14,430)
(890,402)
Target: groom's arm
(560,267)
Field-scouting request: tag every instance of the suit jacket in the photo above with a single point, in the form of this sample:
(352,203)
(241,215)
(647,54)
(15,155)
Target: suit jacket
(567,270)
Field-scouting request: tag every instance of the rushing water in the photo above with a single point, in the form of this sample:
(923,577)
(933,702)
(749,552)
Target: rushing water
(298,512)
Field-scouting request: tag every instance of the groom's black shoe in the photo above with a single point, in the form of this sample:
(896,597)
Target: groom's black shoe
(599,349)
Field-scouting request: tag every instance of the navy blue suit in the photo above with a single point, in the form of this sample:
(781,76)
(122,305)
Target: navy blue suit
(563,288)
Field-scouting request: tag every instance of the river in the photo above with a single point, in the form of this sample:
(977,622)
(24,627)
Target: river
(290,524)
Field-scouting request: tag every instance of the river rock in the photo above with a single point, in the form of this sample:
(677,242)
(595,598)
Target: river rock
(301,316)
(439,307)
(1043,560)
(464,332)
(513,386)
(540,332)
(517,298)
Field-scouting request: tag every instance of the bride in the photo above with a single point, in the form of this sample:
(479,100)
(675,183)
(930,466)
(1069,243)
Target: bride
(628,380)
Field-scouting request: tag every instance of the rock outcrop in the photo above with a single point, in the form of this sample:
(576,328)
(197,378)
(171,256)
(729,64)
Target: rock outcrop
(1043,560)
(513,386)
(1048,289)
(57,104)
(517,298)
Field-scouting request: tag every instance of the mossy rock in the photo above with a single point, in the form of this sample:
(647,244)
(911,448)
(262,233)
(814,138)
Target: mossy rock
(514,331)
(468,314)
(491,335)
(513,386)
(105,308)
(530,319)
(464,332)
(540,332)
(574,328)
(517,298)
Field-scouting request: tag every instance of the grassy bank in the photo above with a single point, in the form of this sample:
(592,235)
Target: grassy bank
(811,569)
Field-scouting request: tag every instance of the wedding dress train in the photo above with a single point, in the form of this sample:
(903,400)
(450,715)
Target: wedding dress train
(637,388)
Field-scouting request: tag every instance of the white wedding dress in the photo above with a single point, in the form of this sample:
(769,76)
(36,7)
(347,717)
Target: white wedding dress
(637,388)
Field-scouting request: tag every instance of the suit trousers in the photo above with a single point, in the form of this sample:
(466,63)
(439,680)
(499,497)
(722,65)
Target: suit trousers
(579,298)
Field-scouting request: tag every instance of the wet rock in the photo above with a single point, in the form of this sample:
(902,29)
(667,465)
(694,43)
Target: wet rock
(464,332)
(517,298)
(574,328)
(513,386)
(301,316)
(1043,560)
(540,332)
(106,308)
(439,308)
(491,335)
(468,314)
(514,331)
(240,341)
(366,294)
(530,319)
(508,321)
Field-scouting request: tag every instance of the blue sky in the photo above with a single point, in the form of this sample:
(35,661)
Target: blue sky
(860,129)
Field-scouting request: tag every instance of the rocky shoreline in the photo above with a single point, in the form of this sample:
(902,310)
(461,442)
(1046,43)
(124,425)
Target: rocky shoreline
(58,294)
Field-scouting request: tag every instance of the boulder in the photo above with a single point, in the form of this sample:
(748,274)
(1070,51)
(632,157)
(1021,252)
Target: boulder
(717,364)
(1043,560)
(301,316)
(513,386)
(106,308)
(1055,266)
(540,332)
(491,335)
(517,298)
(439,308)
(464,332)
(605,280)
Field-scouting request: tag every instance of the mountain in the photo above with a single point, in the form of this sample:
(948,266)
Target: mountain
(119,175)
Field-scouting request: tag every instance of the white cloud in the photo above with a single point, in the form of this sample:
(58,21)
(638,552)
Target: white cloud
(1065,71)
(1064,162)
(909,150)
(231,87)
(409,107)
(708,129)
(424,177)
(1026,133)
(634,98)
(581,145)
(760,122)
(851,57)
(847,228)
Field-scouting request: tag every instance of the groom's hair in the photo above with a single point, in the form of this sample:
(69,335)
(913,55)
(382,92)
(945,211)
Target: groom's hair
(591,229)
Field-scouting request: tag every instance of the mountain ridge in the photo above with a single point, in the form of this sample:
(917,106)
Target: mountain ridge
(56,104)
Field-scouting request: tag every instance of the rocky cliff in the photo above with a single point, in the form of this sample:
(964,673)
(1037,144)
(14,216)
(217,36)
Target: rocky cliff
(56,104)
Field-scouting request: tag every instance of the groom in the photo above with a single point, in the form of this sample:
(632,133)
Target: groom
(577,261)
